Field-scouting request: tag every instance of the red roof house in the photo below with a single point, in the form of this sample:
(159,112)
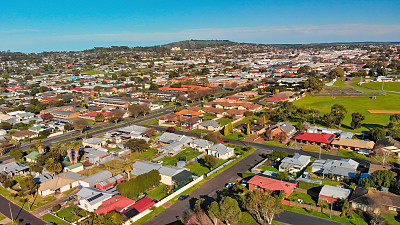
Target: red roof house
(143,204)
(93,114)
(270,183)
(315,138)
(117,203)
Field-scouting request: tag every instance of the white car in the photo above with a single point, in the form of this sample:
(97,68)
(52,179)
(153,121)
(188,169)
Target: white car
(160,162)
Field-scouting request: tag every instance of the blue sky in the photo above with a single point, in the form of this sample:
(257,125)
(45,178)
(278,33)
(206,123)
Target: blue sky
(34,26)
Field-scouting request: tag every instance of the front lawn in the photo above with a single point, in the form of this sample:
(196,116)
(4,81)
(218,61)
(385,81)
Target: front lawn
(149,155)
(147,217)
(150,122)
(352,154)
(269,168)
(274,143)
(224,121)
(198,131)
(199,168)
(391,219)
(68,214)
(52,219)
(237,136)
(187,154)
(158,192)
(39,200)
(295,196)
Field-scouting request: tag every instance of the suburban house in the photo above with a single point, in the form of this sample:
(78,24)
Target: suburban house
(140,206)
(314,138)
(110,182)
(368,200)
(169,138)
(200,145)
(324,130)
(281,131)
(352,144)
(171,149)
(221,151)
(23,134)
(31,157)
(173,175)
(271,183)
(90,198)
(387,145)
(77,167)
(13,168)
(65,114)
(96,156)
(142,167)
(189,113)
(254,128)
(210,125)
(111,102)
(117,203)
(339,169)
(192,122)
(57,185)
(294,164)
(332,194)
(93,180)
(93,142)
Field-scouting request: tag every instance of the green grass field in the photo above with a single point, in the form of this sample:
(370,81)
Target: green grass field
(224,121)
(52,219)
(69,216)
(355,104)
(387,86)
(172,160)
(92,72)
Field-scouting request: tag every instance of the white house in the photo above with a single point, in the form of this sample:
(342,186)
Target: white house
(221,151)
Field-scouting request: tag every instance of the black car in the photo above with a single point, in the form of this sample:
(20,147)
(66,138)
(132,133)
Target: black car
(183,197)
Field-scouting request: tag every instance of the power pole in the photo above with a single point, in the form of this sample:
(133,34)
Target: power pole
(330,216)
(320,152)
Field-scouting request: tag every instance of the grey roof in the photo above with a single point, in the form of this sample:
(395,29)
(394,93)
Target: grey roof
(98,177)
(171,137)
(61,113)
(336,192)
(111,180)
(141,167)
(170,170)
(12,167)
(94,152)
(72,175)
(221,149)
(342,134)
(287,127)
(175,147)
(44,177)
(347,167)
(132,128)
(211,123)
(93,195)
(202,142)
(296,160)
(94,140)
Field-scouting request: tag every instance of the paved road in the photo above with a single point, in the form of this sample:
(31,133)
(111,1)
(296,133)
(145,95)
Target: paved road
(18,213)
(209,192)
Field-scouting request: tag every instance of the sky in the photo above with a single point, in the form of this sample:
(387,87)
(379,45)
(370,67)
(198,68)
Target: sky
(44,25)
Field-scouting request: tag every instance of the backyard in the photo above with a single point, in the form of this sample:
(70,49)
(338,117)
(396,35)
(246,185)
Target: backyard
(186,154)
(224,121)
(71,213)
(200,168)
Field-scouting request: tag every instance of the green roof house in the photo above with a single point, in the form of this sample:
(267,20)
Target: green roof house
(77,167)
(31,157)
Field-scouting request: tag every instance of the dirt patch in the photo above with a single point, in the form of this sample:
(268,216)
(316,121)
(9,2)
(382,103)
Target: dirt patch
(384,111)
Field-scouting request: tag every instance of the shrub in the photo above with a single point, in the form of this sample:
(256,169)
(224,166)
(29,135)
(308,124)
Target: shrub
(140,184)
(8,183)
(306,185)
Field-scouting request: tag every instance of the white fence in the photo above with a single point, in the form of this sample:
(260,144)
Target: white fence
(164,200)
(219,167)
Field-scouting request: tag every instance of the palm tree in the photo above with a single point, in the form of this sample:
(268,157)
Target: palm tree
(128,168)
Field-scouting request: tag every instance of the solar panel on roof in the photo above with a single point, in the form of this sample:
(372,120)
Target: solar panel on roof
(330,138)
(95,197)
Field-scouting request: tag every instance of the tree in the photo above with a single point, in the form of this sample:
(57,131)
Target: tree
(53,166)
(378,133)
(28,186)
(277,155)
(229,210)
(150,132)
(337,72)
(263,205)
(282,175)
(214,137)
(210,161)
(140,184)
(338,112)
(137,145)
(99,117)
(227,130)
(304,70)
(395,118)
(145,108)
(134,110)
(113,218)
(80,124)
(199,205)
(381,178)
(115,115)
(97,89)
(46,116)
(248,131)
(171,129)
(356,119)
(345,207)
(314,84)
(214,212)
(17,154)
(68,126)
(5,125)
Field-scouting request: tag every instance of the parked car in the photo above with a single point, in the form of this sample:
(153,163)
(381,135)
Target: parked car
(160,162)
(229,185)
(183,197)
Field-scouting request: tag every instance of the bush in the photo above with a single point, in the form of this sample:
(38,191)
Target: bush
(140,184)
(56,208)
(9,183)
